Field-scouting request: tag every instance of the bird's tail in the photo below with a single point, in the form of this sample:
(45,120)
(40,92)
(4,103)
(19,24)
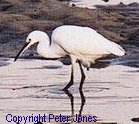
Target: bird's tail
(117,50)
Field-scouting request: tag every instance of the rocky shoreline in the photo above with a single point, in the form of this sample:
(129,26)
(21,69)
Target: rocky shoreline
(118,23)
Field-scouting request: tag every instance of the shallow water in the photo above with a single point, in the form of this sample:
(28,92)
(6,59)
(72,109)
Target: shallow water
(35,87)
(91,4)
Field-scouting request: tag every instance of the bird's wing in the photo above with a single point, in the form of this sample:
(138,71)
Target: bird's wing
(84,41)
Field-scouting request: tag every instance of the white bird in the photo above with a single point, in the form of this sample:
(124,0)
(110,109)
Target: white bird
(82,44)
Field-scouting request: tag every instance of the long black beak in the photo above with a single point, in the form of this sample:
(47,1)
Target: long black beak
(17,56)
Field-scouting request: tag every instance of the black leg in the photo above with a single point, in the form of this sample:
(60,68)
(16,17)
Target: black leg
(82,76)
(72,102)
(71,80)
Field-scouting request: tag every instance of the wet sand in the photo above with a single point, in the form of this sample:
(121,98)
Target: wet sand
(34,87)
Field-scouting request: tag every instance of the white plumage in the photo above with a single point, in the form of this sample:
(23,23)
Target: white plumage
(84,41)
(82,44)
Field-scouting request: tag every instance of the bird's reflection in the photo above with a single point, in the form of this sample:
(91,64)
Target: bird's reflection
(71,97)
(71,100)
(82,102)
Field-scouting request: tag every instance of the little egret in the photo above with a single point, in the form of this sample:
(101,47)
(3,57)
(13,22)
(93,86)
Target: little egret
(82,44)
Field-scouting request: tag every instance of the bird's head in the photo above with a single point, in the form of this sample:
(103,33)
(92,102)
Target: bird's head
(32,38)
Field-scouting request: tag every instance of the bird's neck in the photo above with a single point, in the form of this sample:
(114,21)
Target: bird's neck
(48,51)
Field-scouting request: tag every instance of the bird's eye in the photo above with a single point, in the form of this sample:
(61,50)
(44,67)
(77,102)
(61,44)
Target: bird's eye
(29,39)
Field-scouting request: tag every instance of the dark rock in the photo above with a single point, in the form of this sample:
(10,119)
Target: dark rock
(135,119)
(118,24)
(4,5)
(35,0)
(106,0)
